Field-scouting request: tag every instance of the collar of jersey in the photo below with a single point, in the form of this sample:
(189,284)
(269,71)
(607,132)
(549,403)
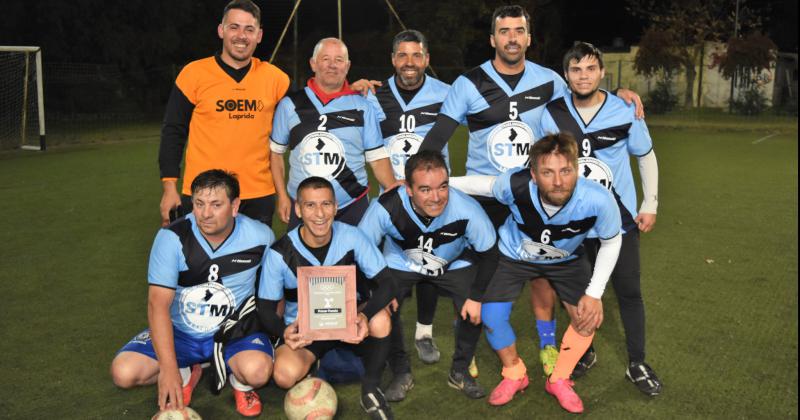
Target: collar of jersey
(327,97)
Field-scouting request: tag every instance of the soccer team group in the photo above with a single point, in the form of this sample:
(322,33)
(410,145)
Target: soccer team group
(548,199)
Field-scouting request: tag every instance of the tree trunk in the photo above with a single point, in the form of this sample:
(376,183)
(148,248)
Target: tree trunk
(688,98)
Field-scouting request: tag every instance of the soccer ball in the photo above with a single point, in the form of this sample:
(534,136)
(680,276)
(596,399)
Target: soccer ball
(170,414)
(312,398)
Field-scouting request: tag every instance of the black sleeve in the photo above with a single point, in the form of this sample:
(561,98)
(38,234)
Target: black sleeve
(268,316)
(174,133)
(487,263)
(382,295)
(440,133)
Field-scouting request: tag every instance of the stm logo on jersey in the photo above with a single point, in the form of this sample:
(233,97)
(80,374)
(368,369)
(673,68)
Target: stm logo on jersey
(322,154)
(401,147)
(240,108)
(205,306)
(508,144)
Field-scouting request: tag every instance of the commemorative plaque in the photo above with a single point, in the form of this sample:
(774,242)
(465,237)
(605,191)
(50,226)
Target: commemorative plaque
(326,302)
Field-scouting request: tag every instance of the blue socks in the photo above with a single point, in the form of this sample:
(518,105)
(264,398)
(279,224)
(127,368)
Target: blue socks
(547,333)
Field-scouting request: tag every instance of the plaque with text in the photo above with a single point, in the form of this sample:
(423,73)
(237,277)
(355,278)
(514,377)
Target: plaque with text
(326,302)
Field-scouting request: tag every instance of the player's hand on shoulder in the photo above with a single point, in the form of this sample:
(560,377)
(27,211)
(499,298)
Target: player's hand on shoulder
(364,86)
(170,389)
(629,97)
(645,222)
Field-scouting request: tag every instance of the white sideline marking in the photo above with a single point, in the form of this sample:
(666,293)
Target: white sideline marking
(764,138)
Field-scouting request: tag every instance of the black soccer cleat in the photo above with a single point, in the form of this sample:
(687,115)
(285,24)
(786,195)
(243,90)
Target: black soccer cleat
(375,405)
(642,375)
(399,386)
(464,382)
(587,361)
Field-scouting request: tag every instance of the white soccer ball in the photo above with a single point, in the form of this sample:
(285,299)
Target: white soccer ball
(311,398)
(170,414)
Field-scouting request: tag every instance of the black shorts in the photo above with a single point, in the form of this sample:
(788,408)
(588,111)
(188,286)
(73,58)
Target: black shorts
(259,208)
(497,212)
(455,284)
(569,279)
(352,214)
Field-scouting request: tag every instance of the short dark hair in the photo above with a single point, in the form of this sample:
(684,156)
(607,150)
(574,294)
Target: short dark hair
(561,144)
(245,5)
(580,50)
(217,178)
(425,160)
(409,35)
(314,182)
(513,10)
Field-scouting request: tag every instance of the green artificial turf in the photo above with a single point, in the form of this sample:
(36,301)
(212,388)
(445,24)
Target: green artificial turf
(719,276)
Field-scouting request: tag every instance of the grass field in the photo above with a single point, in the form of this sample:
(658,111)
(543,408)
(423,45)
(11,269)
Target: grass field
(719,277)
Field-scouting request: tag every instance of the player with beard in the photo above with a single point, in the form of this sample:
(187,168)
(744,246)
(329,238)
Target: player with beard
(552,212)
(407,104)
(223,107)
(608,133)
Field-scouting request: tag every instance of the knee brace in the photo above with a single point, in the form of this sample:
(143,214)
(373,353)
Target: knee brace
(495,316)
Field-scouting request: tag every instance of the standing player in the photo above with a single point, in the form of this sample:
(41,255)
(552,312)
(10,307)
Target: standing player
(408,104)
(202,269)
(608,133)
(427,229)
(552,212)
(330,131)
(224,105)
(320,241)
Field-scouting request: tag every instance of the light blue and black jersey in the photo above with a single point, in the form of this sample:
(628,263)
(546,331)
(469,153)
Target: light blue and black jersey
(327,141)
(530,235)
(404,125)
(348,246)
(209,284)
(604,144)
(430,250)
(500,119)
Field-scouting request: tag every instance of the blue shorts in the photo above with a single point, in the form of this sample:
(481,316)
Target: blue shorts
(190,351)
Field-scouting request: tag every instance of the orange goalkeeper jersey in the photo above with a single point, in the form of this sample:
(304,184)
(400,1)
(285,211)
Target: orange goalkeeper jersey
(230,122)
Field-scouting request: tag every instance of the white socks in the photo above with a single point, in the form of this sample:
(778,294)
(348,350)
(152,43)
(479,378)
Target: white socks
(186,374)
(238,385)
(423,331)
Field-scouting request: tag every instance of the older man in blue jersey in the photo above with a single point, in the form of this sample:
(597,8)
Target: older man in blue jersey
(202,270)
(442,236)
(608,133)
(321,241)
(330,131)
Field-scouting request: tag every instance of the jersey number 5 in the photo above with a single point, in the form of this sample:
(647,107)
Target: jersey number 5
(512,110)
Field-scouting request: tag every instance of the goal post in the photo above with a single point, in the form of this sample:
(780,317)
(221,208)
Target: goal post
(21,98)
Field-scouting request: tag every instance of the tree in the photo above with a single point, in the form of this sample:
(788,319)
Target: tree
(687,25)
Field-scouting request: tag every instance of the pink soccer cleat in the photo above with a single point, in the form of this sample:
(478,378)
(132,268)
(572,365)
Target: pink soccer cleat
(194,378)
(505,391)
(567,398)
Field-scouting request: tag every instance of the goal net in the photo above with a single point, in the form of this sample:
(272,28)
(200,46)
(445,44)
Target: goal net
(21,98)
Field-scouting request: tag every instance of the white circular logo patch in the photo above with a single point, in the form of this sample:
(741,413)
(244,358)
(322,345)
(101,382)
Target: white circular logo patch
(424,263)
(508,145)
(535,251)
(322,154)
(596,170)
(203,307)
(401,147)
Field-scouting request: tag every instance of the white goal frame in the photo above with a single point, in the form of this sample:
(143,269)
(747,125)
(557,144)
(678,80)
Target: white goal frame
(39,93)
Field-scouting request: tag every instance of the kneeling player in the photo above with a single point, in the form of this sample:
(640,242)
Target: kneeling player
(427,227)
(552,211)
(318,241)
(202,268)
